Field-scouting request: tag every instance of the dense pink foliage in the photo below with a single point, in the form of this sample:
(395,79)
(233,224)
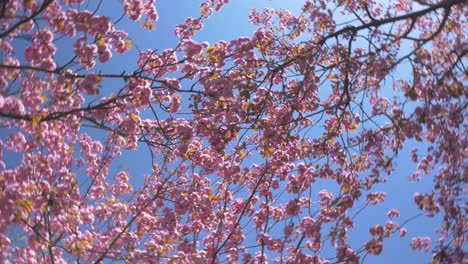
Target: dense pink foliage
(239,132)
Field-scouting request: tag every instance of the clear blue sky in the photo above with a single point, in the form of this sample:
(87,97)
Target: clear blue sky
(230,23)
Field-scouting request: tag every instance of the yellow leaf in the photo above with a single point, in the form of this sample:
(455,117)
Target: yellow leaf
(30,188)
(337,60)
(321,27)
(211,49)
(299,48)
(151,26)
(203,12)
(241,155)
(214,76)
(35,120)
(353,127)
(212,197)
(44,98)
(128,44)
(38,135)
(60,26)
(18,215)
(190,151)
(345,189)
(25,204)
(135,118)
(212,58)
(267,152)
(102,42)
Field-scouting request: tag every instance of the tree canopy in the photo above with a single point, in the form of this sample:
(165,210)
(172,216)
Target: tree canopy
(263,148)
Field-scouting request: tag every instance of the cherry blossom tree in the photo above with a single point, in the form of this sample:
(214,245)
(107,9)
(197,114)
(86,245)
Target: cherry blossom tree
(240,133)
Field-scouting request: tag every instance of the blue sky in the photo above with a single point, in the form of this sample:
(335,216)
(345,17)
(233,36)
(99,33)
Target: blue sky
(232,22)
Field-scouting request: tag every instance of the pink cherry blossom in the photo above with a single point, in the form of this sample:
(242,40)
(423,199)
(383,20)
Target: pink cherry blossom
(274,146)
